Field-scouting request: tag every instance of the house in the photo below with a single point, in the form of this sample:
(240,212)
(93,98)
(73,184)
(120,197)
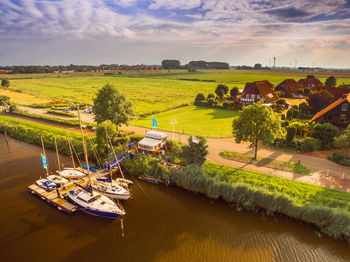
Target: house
(311,83)
(258,91)
(337,92)
(337,113)
(153,142)
(288,87)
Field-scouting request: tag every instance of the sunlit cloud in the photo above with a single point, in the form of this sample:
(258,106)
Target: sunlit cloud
(240,31)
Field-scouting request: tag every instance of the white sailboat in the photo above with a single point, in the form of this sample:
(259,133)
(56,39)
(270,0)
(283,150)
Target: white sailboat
(90,201)
(45,183)
(110,189)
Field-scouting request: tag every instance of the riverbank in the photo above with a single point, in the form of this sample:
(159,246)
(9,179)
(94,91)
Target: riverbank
(324,208)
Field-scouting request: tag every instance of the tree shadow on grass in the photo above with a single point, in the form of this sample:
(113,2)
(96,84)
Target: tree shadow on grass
(267,160)
(217,113)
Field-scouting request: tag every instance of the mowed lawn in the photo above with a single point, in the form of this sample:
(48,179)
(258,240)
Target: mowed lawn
(149,95)
(194,120)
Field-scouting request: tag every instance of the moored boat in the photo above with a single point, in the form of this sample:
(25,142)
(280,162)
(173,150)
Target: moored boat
(111,189)
(46,184)
(58,179)
(95,203)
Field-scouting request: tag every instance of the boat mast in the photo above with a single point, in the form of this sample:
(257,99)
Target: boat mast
(84,147)
(70,150)
(115,155)
(58,158)
(47,165)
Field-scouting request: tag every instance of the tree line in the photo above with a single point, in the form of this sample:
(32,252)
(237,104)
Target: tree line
(175,64)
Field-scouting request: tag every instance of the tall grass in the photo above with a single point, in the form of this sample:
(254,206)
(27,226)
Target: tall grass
(324,208)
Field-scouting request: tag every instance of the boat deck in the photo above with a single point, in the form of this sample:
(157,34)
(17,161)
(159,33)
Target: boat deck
(53,199)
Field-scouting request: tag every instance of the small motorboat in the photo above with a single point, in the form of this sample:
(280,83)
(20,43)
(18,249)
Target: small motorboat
(58,179)
(95,204)
(110,189)
(71,173)
(124,181)
(46,184)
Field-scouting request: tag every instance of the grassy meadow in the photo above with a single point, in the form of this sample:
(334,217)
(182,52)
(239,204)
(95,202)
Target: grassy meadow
(152,92)
(210,122)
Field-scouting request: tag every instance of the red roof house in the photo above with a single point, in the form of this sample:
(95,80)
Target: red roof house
(311,83)
(258,91)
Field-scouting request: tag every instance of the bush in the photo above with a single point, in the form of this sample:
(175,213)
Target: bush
(337,157)
(308,144)
(211,101)
(325,133)
(60,113)
(5,83)
(291,131)
(211,95)
(199,98)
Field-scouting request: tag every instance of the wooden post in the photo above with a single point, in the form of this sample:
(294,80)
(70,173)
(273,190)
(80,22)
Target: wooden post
(7,140)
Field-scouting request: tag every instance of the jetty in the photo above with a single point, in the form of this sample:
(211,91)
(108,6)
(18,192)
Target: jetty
(55,198)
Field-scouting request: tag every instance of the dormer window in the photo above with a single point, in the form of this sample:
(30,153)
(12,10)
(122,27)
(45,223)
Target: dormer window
(344,107)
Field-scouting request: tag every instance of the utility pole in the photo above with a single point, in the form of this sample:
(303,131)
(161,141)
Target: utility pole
(274,62)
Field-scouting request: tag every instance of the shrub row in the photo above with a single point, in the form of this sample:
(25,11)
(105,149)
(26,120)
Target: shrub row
(60,113)
(61,121)
(325,208)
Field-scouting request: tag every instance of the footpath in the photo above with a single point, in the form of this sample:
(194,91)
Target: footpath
(323,172)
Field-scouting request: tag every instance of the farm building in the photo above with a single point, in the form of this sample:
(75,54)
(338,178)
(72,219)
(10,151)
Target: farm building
(153,142)
(288,87)
(311,83)
(337,113)
(337,92)
(258,91)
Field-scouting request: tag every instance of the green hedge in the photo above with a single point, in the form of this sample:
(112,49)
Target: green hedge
(61,121)
(325,208)
(60,113)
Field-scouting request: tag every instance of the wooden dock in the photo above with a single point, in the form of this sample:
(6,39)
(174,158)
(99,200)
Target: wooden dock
(52,198)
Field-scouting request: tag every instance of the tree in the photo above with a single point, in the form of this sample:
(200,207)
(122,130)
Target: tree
(257,123)
(257,66)
(101,137)
(199,98)
(343,141)
(319,100)
(171,64)
(310,77)
(223,88)
(110,104)
(211,95)
(196,150)
(325,133)
(307,91)
(5,83)
(234,92)
(331,81)
(4,101)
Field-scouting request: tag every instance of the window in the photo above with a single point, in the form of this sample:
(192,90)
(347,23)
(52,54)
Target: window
(344,107)
(342,117)
(252,96)
(258,97)
(270,95)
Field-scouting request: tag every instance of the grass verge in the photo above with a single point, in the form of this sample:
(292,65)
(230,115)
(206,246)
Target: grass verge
(324,208)
(266,162)
(60,113)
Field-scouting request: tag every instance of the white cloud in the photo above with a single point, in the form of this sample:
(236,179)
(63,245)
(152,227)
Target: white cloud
(175,4)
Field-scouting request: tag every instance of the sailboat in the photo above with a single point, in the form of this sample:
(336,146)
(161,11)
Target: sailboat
(59,180)
(71,173)
(110,189)
(45,183)
(90,201)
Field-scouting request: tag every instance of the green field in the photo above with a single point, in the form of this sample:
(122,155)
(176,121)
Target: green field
(194,120)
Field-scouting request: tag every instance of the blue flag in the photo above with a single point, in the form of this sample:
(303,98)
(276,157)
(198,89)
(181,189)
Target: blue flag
(154,123)
(43,160)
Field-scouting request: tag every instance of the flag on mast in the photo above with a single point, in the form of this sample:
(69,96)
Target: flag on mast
(43,160)
(154,123)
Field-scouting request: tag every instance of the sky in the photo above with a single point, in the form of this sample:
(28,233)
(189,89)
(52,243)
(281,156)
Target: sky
(240,32)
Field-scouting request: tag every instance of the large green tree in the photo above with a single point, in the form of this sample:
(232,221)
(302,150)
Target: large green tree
(221,90)
(110,104)
(257,123)
(5,83)
(196,150)
(104,128)
(331,81)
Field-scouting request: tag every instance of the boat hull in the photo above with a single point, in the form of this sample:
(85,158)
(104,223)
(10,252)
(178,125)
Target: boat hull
(114,196)
(96,212)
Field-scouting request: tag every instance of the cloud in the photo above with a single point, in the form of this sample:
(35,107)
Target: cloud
(243,28)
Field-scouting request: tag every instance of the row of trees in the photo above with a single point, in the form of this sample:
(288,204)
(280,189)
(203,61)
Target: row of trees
(193,65)
(5,83)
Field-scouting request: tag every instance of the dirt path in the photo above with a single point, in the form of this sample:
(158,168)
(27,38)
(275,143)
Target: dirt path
(324,172)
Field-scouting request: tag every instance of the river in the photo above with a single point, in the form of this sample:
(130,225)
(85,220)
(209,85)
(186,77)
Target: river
(162,224)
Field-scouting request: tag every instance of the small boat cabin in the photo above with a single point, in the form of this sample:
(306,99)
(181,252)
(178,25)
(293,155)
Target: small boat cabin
(153,142)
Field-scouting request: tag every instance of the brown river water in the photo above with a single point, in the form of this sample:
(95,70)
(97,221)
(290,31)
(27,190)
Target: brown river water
(162,224)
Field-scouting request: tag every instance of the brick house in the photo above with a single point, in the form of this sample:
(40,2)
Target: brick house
(258,91)
(311,83)
(337,113)
(288,86)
